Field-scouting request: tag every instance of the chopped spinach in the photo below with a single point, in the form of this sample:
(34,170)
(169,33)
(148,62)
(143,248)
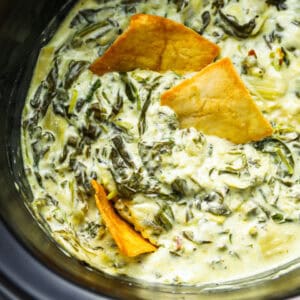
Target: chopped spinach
(165,217)
(118,105)
(36,100)
(205,21)
(142,119)
(219,209)
(190,236)
(74,71)
(119,146)
(181,4)
(280,4)
(231,26)
(92,132)
(280,151)
(179,187)
(95,86)
(217,4)
(130,89)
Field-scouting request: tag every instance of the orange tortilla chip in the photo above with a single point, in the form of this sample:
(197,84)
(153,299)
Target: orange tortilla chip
(158,44)
(217,102)
(129,241)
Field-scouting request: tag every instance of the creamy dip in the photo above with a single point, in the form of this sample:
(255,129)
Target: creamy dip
(218,211)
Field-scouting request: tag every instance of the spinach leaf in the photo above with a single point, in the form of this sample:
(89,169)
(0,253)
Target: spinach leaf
(181,4)
(52,78)
(165,217)
(205,21)
(280,151)
(118,105)
(74,71)
(50,85)
(217,4)
(36,100)
(130,89)
(189,235)
(231,26)
(119,146)
(90,33)
(95,86)
(87,16)
(280,4)
(151,154)
(93,89)
(219,209)
(91,132)
(142,119)
(179,187)
(41,145)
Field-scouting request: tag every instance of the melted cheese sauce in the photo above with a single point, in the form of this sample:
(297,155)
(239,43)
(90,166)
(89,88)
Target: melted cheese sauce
(218,211)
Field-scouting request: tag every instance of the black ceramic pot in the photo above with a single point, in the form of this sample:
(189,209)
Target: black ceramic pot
(31,265)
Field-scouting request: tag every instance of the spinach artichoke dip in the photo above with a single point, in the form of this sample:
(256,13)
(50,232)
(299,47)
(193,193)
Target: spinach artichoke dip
(211,209)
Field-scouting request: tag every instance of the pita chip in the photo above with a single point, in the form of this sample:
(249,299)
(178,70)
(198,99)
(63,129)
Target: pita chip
(158,44)
(130,242)
(217,102)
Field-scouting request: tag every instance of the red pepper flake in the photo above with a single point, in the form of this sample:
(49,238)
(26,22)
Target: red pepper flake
(252,53)
(280,54)
(178,242)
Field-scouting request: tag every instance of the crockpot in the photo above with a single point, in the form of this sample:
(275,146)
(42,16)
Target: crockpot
(31,265)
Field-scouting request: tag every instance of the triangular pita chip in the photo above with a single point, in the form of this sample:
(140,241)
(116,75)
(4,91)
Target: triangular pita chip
(217,102)
(158,44)
(130,242)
